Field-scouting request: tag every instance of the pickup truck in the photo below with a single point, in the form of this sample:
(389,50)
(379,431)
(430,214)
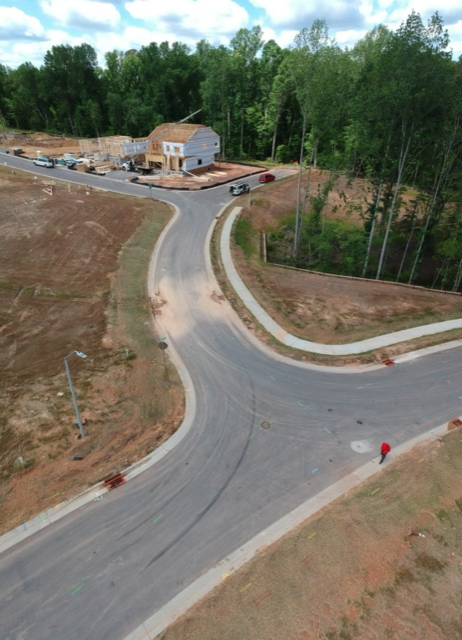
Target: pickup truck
(239,188)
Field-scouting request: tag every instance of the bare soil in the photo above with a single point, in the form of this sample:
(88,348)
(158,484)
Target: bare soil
(333,310)
(349,199)
(215,175)
(353,571)
(72,276)
(53,146)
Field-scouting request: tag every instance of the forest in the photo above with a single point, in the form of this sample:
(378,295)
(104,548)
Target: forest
(388,111)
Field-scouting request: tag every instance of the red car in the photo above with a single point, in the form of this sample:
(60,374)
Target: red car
(267,177)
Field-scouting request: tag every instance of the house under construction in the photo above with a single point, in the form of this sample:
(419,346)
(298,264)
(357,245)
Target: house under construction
(106,148)
(170,147)
(177,147)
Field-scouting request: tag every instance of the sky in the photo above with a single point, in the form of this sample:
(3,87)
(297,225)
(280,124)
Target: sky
(29,28)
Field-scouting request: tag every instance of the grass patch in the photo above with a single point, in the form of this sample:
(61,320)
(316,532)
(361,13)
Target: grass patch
(129,302)
(429,563)
(130,307)
(243,236)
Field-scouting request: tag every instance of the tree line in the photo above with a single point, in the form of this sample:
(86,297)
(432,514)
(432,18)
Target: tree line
(387,110)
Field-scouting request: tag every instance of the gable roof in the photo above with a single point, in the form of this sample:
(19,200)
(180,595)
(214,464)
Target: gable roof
(170,132)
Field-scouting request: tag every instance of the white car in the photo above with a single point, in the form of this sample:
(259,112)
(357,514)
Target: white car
(43,161)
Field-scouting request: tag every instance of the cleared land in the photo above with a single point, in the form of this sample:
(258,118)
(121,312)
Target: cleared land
(353,571)
(219,173)
(72,276)
(53,146)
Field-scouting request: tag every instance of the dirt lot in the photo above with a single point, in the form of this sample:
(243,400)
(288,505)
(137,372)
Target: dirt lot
(325,308)
(212,176)
(334,310)
(72,276)
(54,146)
(353,572)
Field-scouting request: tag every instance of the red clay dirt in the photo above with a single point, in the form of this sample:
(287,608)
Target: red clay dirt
(219,173)
(60,283)
(31,143)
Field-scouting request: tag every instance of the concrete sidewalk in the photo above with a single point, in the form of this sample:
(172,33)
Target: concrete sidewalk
(290,340)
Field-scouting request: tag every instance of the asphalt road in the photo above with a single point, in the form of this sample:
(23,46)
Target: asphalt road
(102,570)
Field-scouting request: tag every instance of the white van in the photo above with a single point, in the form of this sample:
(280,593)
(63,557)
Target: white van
(43,161)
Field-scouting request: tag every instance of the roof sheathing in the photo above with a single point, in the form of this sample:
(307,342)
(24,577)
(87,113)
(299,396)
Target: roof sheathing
(180,133)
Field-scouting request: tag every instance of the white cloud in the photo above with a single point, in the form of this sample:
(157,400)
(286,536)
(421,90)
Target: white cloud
(34,52)
(349,37)
(193,19)
(133,38)
(372,17)
(455,33)
(296,14)
(450,10)
(17,25)
(85,14)
(283,38)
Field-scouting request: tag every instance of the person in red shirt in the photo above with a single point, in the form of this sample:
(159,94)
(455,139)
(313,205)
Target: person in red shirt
(384,451)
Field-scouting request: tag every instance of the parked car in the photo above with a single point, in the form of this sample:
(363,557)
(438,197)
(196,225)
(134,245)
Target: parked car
(267,177)
(73,162)
(239,188)
(43,161)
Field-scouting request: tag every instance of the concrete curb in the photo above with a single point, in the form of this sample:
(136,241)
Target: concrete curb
(178,606)
(292,341)
(97,491)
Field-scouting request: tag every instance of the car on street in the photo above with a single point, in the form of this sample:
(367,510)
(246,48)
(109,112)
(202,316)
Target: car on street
(239,188)
(267,177)
(44,161)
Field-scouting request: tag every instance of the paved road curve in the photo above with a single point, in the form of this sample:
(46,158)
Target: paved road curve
(99,572)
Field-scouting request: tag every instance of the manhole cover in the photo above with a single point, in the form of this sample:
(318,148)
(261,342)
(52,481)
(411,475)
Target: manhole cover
(265,425)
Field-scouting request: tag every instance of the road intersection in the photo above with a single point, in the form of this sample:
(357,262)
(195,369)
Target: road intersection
(105,568)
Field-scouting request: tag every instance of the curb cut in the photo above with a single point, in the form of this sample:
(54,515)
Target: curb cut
(195,592)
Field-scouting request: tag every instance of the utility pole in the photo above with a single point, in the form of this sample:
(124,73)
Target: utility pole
(79,420)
